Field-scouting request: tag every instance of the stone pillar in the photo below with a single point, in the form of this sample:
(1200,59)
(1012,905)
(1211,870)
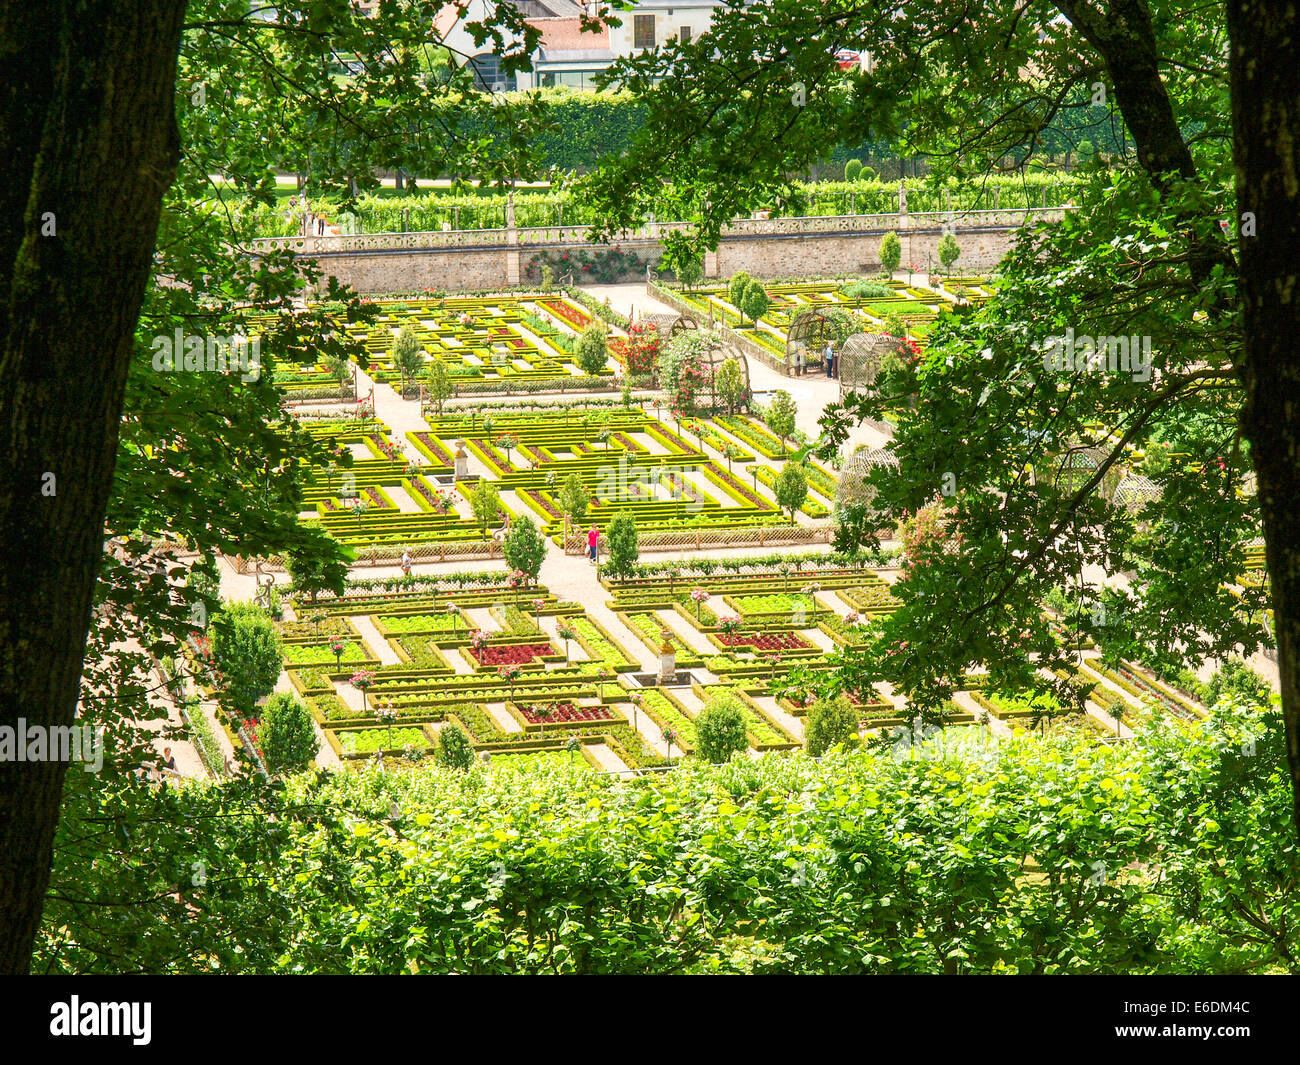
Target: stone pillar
(512,239)
(904,227)
(462,461)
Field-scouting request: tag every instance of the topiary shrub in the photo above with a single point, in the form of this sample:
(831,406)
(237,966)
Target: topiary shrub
(286,735)
(454,749)
(891,252)
(720,729)
(831,722)
(524,547)
(246,651)
(591,350)
(621,542)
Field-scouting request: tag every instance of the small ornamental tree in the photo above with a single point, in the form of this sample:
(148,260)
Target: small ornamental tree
(720,729)
(592,350)
(780,416)
(437,382)
(363,680)
(736,289)
(949,251)
(524,547)
(454,748)
(508,442)
(407,354)
(246,650)
(730,384)
(830,722)
(699,596)
(486,504)
(314,570)
(286,735)
(791,488)
(574,499)
(754,302)
(690,272)
(340,369)
(337,646)
(891,252)
(566,632)
(621,542)
(853,170)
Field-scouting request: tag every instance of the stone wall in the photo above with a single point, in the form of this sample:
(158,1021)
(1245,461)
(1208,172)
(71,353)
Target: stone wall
(491,259)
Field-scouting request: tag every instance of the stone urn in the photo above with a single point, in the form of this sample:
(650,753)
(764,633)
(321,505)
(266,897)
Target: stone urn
(667,663)
(462,461)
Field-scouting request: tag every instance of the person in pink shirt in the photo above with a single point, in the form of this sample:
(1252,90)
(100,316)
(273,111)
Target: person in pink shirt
(593,538)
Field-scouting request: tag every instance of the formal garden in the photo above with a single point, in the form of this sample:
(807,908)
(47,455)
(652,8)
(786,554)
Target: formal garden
(715,516)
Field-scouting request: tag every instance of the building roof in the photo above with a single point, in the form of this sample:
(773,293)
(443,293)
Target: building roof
(562,38)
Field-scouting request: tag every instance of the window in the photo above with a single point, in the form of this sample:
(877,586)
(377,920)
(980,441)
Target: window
(643,31)
(488,73)
(686,35)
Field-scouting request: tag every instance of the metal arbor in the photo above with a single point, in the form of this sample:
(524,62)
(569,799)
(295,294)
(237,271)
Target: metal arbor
(853,488)
(668,325)
(811,328)
(860,359)
(1134,491)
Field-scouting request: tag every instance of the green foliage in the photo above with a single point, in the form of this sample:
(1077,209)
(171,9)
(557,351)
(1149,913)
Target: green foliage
(286,735)
(319,565)
(866,290)
(891,252)
(621,542)
(407,353)
(574,498)
(791,487)
(524,547)
(246,649)
(730,384)
(720,728)
(940,840)
(831,722)
(949,251)
(485,501)
(438,384)
(690,271)
(780,415)
(736,288)
(592,349)
(1236,681)
(754,300)
(853,170)
(454,748)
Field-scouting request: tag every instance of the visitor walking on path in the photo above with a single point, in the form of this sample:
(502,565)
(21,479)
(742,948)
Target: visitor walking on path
(830,359)
(593,538)
(406,562)
(800,362)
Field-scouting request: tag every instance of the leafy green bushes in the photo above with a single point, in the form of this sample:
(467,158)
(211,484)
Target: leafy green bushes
(286,735)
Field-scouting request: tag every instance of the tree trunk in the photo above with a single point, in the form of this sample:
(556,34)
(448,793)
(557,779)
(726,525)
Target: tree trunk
(1264,65)
(88,145)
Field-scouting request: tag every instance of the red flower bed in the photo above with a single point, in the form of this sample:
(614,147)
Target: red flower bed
(767,641)
(561,712)
(572,315)
(516,655)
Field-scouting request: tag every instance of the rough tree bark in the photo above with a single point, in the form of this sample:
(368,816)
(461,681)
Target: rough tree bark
(1264,65)
(88,145)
